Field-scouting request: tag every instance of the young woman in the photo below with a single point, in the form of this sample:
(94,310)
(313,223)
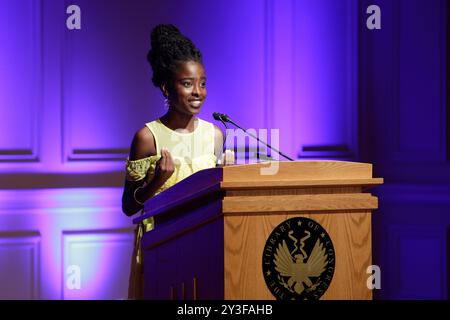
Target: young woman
(176,145)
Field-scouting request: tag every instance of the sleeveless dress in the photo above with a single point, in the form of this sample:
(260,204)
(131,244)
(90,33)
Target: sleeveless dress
(191,152)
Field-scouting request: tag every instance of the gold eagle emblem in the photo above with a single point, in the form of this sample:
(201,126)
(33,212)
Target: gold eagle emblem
(300,268)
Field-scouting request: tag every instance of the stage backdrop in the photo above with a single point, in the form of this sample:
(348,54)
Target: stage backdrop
(71,101)
(405,132)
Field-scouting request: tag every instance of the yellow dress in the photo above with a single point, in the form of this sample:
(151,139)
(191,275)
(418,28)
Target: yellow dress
(191,152)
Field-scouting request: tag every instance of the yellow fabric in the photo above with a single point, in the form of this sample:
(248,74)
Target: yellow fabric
(191,152)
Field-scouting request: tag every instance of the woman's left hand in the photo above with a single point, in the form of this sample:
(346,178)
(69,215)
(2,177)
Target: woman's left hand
(228,158)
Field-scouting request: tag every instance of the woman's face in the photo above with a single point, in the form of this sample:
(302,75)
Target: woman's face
(188,88)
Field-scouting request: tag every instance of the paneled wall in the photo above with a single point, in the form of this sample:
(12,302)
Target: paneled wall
(71,101)
(20,254)
(21,70)
(287,65)
(64,244)
(403,104)
(312,77)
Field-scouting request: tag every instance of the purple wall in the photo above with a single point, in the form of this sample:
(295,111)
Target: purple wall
(403,103)
(71,100)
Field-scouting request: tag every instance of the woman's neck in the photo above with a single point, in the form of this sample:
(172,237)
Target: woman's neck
(176,120)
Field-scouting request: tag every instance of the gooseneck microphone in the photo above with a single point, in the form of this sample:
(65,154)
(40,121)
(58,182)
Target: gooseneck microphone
(224,119)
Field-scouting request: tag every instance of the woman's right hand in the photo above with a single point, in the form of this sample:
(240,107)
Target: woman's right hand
(164,167)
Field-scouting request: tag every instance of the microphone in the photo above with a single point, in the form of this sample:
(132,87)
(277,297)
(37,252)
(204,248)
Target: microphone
(224,118)
(221,117)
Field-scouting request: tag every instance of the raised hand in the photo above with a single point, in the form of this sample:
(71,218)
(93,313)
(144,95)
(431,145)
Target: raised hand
(164,167)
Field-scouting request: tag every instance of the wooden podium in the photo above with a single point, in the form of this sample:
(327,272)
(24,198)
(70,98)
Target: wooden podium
(211,228)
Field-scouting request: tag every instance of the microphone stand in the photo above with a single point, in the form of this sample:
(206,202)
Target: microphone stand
(227,119)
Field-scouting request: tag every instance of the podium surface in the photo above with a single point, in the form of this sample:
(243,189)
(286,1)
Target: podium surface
(213,229)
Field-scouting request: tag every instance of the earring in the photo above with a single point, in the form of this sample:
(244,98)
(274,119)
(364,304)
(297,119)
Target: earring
(166,103)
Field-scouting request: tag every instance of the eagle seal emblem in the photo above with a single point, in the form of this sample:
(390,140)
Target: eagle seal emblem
(298,260)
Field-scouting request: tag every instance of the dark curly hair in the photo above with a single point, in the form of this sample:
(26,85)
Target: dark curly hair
(169,47)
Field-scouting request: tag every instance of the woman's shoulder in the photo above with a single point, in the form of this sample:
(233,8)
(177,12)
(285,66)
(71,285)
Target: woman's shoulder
(144,134)
(143,144)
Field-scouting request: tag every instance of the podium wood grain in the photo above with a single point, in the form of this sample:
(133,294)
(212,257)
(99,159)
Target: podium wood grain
(247,236)
(218,221)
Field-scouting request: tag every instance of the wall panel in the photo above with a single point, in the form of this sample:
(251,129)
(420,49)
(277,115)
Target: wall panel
(20,80)
(19,264)
(325,75)
(44,231)
(100,257)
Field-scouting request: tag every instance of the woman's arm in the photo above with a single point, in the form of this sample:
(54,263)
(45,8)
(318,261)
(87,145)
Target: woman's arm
(142,146)
(137,192)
